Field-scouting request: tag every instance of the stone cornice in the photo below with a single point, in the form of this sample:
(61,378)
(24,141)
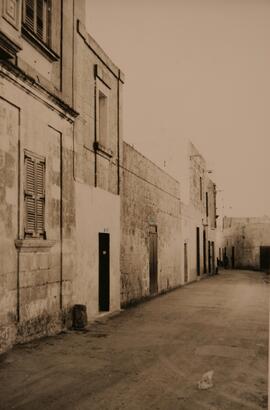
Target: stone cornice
(31,86)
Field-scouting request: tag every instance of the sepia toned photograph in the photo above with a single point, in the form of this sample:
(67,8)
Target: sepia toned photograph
(134,204)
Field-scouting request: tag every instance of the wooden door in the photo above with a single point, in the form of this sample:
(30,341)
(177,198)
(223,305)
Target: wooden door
(104,271)
(153,260)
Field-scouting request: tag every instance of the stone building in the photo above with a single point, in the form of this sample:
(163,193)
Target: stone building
(97,151)
(168,235)
(246,242)
(198,217)
(60,145)
(66,177)
(150,228)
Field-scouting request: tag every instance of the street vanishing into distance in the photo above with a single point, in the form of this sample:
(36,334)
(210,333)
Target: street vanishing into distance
(153,355)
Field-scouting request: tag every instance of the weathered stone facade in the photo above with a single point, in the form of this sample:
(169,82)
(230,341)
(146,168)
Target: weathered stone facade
(49,249)
(243,240)
(198,218)
(84,218)
(150,207)
(35,287)
(184,228)
(36,273)
(98,141)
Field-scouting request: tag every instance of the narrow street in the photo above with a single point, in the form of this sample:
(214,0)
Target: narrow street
(153,355)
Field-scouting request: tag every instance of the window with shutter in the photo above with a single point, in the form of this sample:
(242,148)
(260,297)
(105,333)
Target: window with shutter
(36,18)
(34,196)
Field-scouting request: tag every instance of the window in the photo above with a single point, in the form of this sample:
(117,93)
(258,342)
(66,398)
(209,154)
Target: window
(34,196)
(201,188)
(103,141)
(36,18)
(102,120)
(206,203)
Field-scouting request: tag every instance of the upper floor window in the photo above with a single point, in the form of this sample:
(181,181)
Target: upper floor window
(201,190)
(103,118)
(103,138)
(36,18)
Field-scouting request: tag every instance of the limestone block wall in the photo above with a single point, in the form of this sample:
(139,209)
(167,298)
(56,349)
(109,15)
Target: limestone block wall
(196,214)
(211,189)
(149,197)
(197,179)
(190,219)
(246,235)
(35,274)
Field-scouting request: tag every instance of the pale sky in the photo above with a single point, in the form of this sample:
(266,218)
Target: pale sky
(197,69)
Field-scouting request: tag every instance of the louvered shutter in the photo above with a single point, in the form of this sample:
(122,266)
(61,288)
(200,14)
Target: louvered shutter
(30,206)
(29,14)
(40,19)
(40,197)
(34,196)
(37,17)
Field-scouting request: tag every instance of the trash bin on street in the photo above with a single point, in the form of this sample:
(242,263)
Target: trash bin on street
(79,317)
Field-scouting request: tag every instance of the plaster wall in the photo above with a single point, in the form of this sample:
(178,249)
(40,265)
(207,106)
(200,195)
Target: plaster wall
(97,211)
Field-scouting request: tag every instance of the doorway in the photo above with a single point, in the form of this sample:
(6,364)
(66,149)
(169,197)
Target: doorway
(209,257)
(198,251)
(185,263)
(233,257)
(153,261)
(204,251)
(265,258)
(104,272)
(213,258)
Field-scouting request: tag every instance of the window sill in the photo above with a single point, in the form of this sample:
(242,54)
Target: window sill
(106,151)
(39,45)
(34,245)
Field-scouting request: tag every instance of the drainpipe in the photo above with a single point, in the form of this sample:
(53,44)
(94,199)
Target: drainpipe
(118,133)
(61,222)
(19,218)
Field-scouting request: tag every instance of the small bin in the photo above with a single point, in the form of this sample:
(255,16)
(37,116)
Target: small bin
(79,317)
